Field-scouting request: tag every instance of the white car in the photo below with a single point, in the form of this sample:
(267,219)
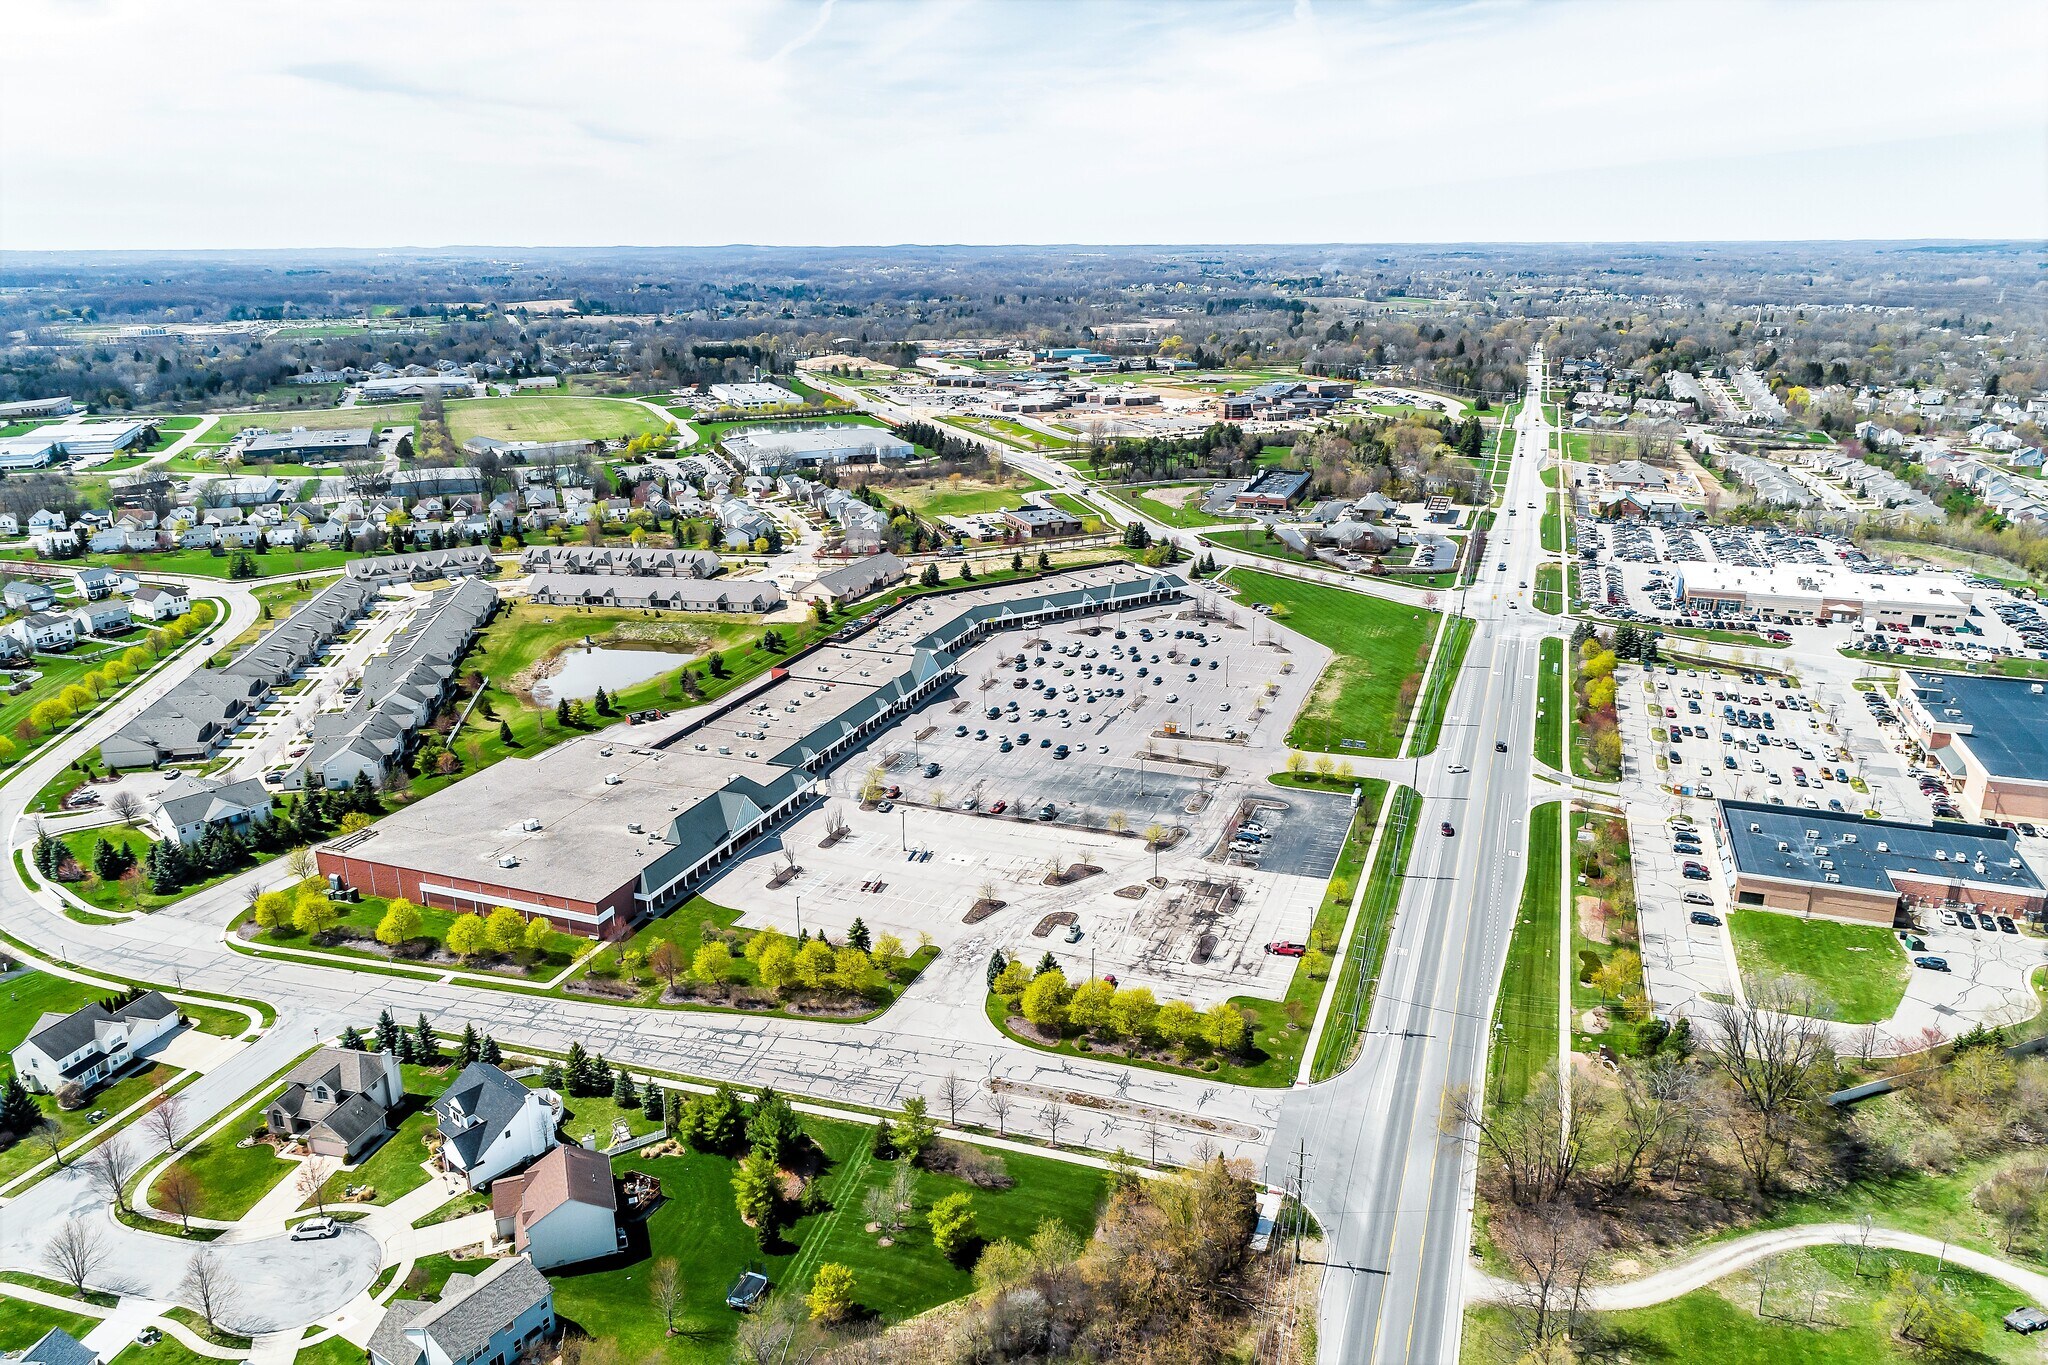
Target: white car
(1460,768)
(315,1229)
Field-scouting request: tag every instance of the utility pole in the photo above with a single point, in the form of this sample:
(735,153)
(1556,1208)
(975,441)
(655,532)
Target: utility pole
(1300,1184)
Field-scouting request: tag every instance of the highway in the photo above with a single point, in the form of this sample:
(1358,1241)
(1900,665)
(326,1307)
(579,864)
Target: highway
(1391,1189)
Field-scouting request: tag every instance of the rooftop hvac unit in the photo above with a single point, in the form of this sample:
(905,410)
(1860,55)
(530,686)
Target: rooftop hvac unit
(530,825)
(1940,855)
(1848,838)
(2013,863)
(612,779)
(2035,688)
(1813,834)
(1827,864)
(1784,847)
(605,752)
(1834,876)
(508,861)
(1755,828)
(635,828)
(1883,847)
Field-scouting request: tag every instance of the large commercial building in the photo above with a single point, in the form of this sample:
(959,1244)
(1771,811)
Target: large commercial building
(601,832)
(1990,732)
(1805,593)
(770,450)
(1850,868)
(301,445)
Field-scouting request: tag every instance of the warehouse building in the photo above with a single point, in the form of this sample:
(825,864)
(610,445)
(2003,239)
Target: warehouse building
(1847,867)
(1990,732)
(599,833)
(302,446)
(1794,594)
(771,450)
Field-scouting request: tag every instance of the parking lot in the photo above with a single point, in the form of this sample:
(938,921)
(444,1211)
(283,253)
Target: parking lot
(1176,730)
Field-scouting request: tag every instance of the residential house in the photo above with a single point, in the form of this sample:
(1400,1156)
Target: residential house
(160,602)
(93,584)
(660,594)
(44,630)
(562,1210)
(43,519)
(190,807)
(850,582)
(59,1347)
(491,1125)
(26,594)
(102,618)
(338,1102)
(629,561)
(425,566)
(494,1318)
(10,525)
(91,1044)
(56,544)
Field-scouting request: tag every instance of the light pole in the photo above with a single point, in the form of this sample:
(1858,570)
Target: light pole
(799,914)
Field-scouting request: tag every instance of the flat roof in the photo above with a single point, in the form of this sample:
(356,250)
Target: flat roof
(2003,722)
(1833,581)
(1867,853)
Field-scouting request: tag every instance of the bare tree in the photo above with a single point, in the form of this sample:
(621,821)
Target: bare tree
(1772,1049)
(1554,1246)
(999,1105)
(126,806)
(165,1121)
(210,1287)
(179,1192)
(1053,1115)
(954,1092)
(312,1182)
(666,1289)
(1531,1149)
(110,1166)
(780,1334)
(76,1253)
(50,1138)
(301,862)
(902,1190)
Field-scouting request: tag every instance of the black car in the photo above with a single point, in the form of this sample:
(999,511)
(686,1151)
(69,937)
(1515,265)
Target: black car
(1932,964)
(1500,746)
(1702,917)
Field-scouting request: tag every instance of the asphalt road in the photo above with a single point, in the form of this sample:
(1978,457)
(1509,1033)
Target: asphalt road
(1391,1188)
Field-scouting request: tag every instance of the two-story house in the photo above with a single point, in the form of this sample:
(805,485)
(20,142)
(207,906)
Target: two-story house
(488,1319)
(189,807)
(563,1210)
(92,1044)
(338,1102)
(491,1124)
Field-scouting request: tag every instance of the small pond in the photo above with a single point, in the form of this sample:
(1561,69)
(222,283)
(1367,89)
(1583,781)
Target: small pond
(578,672)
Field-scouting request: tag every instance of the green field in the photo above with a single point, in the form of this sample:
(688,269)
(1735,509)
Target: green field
(22,1323)
(1091,520)
(550,417)
(109,895)
(697,1226)
(1526,1019)
(1011,432)
(1181,515)
(1550,705)
(962,496)
(1553,524)
(1255,541)
(1819,1306)
(1860,967)
(1436,697)
(204,563)
(1549,590)
(1369,689)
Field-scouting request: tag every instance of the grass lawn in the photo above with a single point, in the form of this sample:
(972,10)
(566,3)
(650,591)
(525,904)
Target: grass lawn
(698,1226)
(1553,524)
(1817,1310)
(1550,708)
(1860,967)
(204,563)
(1526,1019)
(1012,432)
(394,1167)
(1437,697)
(1255,541)
(22,1323)
(109,895)
(1370,686)
(1178,511)
(596,1116)
(1549,590)
(1359,976)
(549,417)
(962,496)
(1091,520)
(231,1178)
(316,419)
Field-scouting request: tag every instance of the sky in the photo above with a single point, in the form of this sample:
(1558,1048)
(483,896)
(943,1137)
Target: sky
(218,124)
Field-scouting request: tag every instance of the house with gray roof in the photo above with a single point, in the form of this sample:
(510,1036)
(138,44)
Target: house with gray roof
(191,807)
(490,1124)
(91,1044)
(338,1102)
(849,582)
(461,561)
(660,594)
(644,561)
(59,1347)
(493,1318)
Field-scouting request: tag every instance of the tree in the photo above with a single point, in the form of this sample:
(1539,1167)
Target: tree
(915,1130)
(857,935)
(1224,1027)
(667,1292)
(1932,1322)
(165,1121)
(1088,1005)
(772,1129)
(814,964)
(712,1122)
(400,924)
(506,930)
(2017,1200)
(625,1094)
(312,913)
(109,1167)
(312,1182)
(712,963)
(468,937)
(19,1115)
(754,1183)
(1045,1000)
(1012,980)
(776,965)
(887,954)
(954,1092)
(1179,1023)
(539,937)
(76,1252)
(209,1286)
(126,806)
(953,1227)
(426,1048)
(1053,1114)
(1132,1012)
(1772,1050)
(831,1293)
(178,1192)
(301,863)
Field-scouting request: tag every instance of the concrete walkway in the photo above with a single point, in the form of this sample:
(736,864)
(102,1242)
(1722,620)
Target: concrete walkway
(1725,1258)
(120,1323)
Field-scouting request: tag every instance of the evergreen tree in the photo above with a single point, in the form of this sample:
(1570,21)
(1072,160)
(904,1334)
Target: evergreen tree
(505,733)
(387,1033)
(1048,963)
(471,1048)
(672,1112)
(562,713)
(857,935)
(576,1074)
(600,1075)
(652,1096)
(885,1140)
(425,1050)
(491,1052)
(625,1094)
(603,703)
(352,1039)
(18,1112)
(551,1076)
(773,1129)
(996,963)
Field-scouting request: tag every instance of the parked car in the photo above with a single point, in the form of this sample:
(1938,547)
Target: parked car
(1285,949)
(1698,898)
(1695,872)
(1932,964)
(1702,917)
(314,1229)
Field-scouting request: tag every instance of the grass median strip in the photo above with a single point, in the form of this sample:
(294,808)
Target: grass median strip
(1525,1020)
(1550,713)
(1363,956)
(1429,720)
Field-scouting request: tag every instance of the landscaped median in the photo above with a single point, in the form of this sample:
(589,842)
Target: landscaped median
(1245,1040)
(1358,980)
(1526,1017)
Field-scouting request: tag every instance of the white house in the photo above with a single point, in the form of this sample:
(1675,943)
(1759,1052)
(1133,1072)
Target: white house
(102,618)
(10,525)
(44,630)
(55,543)
(94,583)
(188,807)
(490,1124)
(564,1209)
(160,602)
(24,594)
(43,519)
(91,1044)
